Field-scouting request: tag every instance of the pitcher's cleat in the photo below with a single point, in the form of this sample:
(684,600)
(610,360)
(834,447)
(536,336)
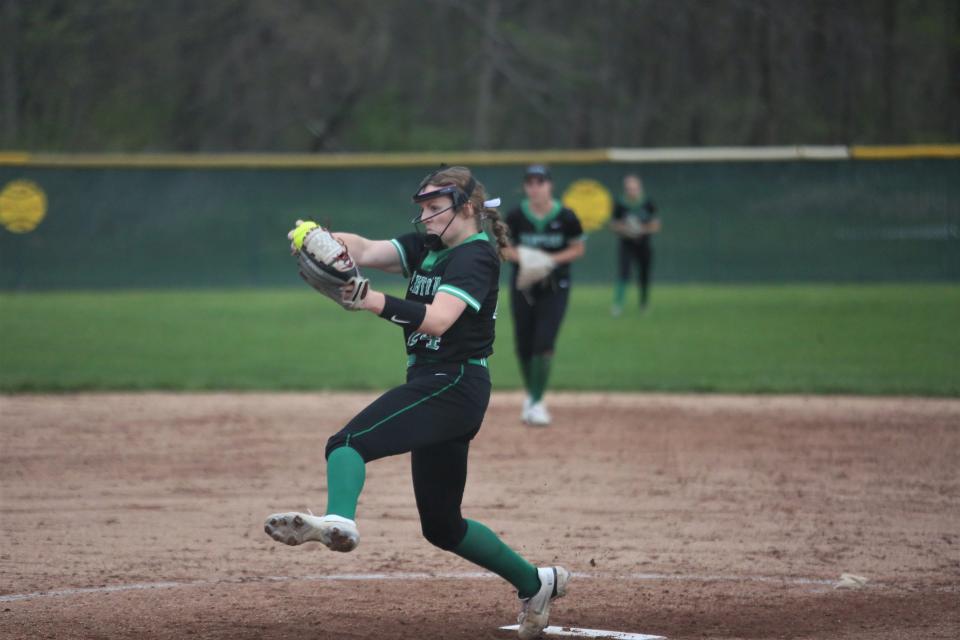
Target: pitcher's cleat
(336,532)
(525,414)
(535,610)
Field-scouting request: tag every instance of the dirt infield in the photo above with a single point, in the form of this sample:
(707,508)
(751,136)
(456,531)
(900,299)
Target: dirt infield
(141,515)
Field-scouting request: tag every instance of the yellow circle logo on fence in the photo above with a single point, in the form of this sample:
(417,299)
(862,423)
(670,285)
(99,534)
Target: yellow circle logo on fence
(591,201)
(23,205)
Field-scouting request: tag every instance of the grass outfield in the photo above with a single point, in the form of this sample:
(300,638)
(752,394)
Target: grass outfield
(886,339)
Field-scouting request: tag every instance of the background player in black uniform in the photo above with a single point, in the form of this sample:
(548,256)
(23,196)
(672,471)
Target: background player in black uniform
(635,220)
(543,223)
(447,317)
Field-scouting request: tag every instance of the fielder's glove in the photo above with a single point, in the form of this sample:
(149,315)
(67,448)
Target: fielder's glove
(535,265)
(326,265)
(632,227)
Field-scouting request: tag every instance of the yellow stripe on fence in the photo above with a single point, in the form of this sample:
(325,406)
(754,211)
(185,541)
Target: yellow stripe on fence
(470,158)
(905,152)
(14,158)
(304,161)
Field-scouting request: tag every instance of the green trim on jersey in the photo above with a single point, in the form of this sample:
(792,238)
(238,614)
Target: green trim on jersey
(460,293)
(435,256)
(540,223)
(403,257)
(630,203)
(634,206)
(406,408)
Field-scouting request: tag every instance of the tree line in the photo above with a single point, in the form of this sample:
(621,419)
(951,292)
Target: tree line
(387,75)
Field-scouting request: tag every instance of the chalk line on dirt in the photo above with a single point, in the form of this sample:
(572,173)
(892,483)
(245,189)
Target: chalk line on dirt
(358,577)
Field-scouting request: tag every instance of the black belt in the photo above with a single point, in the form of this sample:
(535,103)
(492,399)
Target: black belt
(413,359)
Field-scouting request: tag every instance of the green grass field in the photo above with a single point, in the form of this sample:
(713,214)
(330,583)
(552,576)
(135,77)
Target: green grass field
(886,339)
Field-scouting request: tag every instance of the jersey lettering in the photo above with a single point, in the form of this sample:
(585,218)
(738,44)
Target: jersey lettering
(546,240)
(423,285)
(430,342)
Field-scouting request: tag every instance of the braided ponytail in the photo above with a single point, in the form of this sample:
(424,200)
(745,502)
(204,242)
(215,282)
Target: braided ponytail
(496,228)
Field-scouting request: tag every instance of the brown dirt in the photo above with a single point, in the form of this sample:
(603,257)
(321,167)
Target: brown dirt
(684,516)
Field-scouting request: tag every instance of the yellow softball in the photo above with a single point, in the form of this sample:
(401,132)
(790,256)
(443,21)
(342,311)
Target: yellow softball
(300,232)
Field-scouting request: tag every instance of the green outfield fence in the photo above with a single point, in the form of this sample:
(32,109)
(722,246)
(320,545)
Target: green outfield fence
(784,214)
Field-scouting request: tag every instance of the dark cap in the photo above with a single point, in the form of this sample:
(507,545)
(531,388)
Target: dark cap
(537,171)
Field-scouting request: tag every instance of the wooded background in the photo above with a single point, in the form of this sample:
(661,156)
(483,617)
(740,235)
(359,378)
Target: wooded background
(386,75)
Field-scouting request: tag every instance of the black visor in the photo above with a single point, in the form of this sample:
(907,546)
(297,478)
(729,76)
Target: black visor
(451,190)
(459,196)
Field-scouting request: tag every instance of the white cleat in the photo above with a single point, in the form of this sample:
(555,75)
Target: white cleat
(525,415)
(538,415)
(336,532)
(535,611)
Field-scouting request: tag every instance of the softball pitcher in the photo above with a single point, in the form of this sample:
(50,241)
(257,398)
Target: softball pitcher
(447,317)
(549,237)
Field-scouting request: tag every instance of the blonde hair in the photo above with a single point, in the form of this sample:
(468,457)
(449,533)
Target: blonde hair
(461,176)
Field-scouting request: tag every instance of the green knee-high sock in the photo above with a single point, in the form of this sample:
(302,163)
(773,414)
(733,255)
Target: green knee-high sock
(619,292)
(346,472)
(482,547)
(539,375)
(525,372)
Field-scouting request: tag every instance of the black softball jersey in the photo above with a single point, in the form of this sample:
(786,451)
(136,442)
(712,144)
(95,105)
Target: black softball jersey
(552,233)
(470,271)
(645,211)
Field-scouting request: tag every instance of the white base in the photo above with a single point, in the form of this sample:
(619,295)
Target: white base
(590,633)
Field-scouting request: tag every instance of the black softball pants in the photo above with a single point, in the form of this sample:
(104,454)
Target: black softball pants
(537,316)
(433,416)
(642,254)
